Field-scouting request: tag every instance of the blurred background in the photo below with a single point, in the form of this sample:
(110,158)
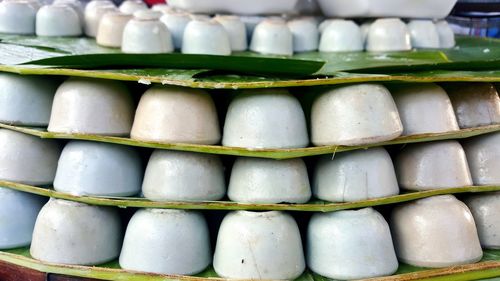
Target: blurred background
(476,18)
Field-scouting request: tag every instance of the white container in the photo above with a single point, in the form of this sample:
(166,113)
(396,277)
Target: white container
(58,20)
(423,34)
(17,17)
(475,104)
(110,31)
(27,159)
(236,30)
(346,116)
(92,168)
(354,176)
(18,211)
(146,34)
(176,242)
(446,35)
(184,176)
(131,6)
(92,106)
(350,245)
(485,208)
(341,36)
(432,165)
(206,37)
(390,34)
(26,100)
(424,108)
(483,155)
(77,6)
(178,115)
(259,245)
(176,24)
(437,231)
(272,37)
(240,7)
(94,11)
(268,118)
(69,232)
(257,180)
(386,8)
(305,34)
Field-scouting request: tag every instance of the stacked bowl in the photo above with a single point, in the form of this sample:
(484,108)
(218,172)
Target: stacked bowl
(354,243)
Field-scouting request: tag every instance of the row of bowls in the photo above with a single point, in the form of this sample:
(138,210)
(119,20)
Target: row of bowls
(356,114)
(437,231)
(100,169)
(150,32)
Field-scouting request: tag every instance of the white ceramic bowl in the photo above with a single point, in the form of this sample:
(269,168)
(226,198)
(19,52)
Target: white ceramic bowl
(346,116)
(146,34)
(437,231)
(166,242)
(386,8)
(424,108)
(236,30)
(354,176)
(305,34)
(483,155)
(390,34)
(423,34)
(341,36)
(17,17)
(132,6)
(69,232)
(257,180)
(176,24)
(27,159)
(475,104)
(26,100)
(94,11)
(110,31)
(432,165)
(259,245)
(206,37)
(268,118)
(240,7)
(92,168)
(18,211)
(58,20)
(446,35)
(485,208)
(272,37)
(323,24)
(92,106)
(175,114)
(184,176)
(77,6)
(350,245)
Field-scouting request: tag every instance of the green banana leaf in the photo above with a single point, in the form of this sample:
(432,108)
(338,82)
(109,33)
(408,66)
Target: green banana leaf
(85,53)
(261,153)
(488,267)
(313,206)
(212,80)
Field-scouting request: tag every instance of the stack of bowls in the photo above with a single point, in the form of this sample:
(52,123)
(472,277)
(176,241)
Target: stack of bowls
(438,231)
